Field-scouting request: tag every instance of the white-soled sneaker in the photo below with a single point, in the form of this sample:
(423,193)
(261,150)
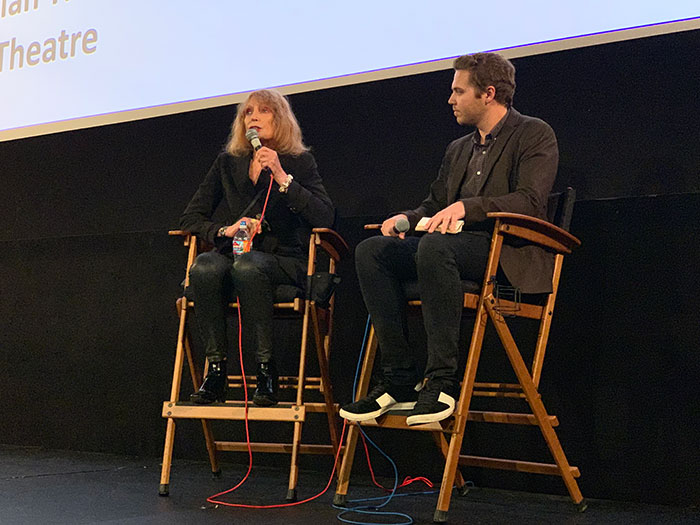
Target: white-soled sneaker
(435,403)
(381,399)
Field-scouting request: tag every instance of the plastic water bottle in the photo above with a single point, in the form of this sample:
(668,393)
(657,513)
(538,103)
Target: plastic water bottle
(241,241)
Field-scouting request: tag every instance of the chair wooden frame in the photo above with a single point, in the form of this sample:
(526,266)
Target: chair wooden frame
(313,317)
(488,308)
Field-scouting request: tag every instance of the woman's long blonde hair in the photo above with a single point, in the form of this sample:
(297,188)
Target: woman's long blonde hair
(287,136)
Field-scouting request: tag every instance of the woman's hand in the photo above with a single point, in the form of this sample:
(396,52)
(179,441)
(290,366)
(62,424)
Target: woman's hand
(268,159)
(251,224)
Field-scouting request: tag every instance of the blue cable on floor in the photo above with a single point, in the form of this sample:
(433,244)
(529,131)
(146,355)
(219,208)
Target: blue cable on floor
(373,509)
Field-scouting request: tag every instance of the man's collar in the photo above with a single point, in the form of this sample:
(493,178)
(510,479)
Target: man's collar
(494,131)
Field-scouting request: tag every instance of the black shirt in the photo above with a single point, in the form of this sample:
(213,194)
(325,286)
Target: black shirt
(475,168)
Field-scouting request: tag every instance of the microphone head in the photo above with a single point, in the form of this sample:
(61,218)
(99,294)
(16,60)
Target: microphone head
(252,136)
(402,225)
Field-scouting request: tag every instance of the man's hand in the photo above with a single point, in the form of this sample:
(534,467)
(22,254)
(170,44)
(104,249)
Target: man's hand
(389,224)
(446,219)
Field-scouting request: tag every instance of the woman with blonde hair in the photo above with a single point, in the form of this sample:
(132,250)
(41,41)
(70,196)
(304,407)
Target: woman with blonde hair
(238,181)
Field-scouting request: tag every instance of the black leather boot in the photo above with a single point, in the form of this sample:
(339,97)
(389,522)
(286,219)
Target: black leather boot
(266,391)
(214,387)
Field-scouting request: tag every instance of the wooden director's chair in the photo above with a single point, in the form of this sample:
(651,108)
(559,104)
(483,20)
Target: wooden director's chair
(289,301)
(489,306)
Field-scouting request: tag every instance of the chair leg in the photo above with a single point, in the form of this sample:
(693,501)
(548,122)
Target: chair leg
(341,490)
(465,396)
(367,365)
(206,425)
(321,353)
(294,467)
(536,405)
(296,439)
(194,372)
(211,448)
(351,440)
(443,446)
(164,488)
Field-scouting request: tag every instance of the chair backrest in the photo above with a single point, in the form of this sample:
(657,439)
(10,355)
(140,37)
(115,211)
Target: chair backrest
(560,208)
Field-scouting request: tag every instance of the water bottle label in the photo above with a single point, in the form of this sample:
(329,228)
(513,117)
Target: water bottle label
(240,246)
(237,246)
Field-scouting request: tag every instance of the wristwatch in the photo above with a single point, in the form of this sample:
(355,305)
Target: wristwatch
(222,231)
(284,187)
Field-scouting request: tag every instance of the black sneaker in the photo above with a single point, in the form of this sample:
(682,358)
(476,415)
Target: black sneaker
(435,403)
(381,399)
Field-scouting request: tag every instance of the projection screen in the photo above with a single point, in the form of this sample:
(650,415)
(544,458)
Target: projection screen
(68,64)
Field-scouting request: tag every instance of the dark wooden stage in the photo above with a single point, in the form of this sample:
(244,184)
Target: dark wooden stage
(47,486)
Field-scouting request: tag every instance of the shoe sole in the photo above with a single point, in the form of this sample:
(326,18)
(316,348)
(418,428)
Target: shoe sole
(408,405)
(419,419)
(434,417)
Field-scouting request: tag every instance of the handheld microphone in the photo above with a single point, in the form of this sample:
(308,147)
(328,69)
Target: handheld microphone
(252,136)
(401,226)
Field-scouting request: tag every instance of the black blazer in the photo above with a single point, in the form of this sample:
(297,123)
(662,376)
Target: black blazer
(520,173)
(289,216)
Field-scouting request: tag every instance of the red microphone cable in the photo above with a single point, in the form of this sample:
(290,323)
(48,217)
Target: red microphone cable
(407,480)
(240,359)
(212,499)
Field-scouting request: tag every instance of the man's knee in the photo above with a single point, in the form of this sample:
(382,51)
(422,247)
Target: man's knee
(368,249)
(433,247)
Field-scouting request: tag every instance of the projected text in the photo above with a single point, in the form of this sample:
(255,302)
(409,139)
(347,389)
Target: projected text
(15,55)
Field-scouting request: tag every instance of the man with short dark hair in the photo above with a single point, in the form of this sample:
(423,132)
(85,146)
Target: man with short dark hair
(508,164)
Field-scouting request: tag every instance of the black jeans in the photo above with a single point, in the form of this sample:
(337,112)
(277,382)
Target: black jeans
(438,262)
(252,277)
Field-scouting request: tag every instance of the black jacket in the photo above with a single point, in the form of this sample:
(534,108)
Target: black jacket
(520,173)
(289,216)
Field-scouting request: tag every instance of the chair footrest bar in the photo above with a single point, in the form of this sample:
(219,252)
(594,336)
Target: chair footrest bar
(499,386)
(519,466)
(281,448)
(283,386)
(390,420)
(296,306)
(320,407)
(508,417)
(289,380)
(490,393)
(234,411)
(284,382)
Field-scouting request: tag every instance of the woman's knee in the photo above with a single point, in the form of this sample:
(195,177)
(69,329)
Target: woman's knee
(208,266)
(248,266)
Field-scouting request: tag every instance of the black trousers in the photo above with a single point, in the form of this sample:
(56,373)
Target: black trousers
(438,262)
(215,279)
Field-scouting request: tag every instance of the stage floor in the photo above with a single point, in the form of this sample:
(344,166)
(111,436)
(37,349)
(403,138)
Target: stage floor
(40,486)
